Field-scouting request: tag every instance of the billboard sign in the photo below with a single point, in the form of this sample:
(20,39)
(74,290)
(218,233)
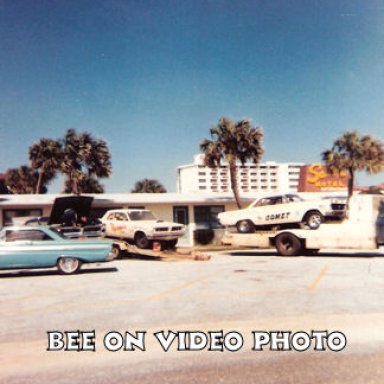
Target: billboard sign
(315,178)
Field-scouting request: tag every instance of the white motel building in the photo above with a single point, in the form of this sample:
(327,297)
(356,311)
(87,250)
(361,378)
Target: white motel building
(264,177)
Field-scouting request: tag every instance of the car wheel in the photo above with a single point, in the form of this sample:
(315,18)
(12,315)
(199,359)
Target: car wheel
(288,244)
(245,226)
(141,240)
(68,265)
(313,219)
(116,251)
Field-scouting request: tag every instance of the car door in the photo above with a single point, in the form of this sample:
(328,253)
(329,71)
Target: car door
(296,208)
(123,225)
(26,249)
(117,224)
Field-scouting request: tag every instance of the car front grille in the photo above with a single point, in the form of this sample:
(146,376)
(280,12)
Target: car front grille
(337,206)
(161,229)
(169,229)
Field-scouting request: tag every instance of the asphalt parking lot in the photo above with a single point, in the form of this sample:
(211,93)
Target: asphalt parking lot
(240,293)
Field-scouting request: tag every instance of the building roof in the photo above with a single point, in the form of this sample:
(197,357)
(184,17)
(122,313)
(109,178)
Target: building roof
(107,199)
(121,198)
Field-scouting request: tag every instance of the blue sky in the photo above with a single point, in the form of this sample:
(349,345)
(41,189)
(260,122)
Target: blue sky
(151,77)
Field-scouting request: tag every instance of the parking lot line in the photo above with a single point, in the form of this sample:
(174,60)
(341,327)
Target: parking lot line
(189,283)
(316,282)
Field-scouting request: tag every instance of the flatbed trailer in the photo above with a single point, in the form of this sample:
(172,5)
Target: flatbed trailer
(122,248)
(362,229)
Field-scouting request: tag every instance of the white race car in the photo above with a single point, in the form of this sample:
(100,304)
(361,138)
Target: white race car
(280,210)
(141,226)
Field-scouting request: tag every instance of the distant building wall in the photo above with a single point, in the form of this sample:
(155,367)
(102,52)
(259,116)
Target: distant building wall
(264,177)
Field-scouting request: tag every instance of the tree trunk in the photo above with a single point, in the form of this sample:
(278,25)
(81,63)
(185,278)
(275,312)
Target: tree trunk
(75,189)
(234,184)
(39,182)
(351,182)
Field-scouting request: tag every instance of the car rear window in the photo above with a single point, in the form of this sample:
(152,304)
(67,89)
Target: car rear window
(29,235)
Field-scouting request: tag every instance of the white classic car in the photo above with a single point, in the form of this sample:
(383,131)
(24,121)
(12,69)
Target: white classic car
(278,210)
(141,226)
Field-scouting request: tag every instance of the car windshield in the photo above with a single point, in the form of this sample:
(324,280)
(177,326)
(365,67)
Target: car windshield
(57,232)
(141,215)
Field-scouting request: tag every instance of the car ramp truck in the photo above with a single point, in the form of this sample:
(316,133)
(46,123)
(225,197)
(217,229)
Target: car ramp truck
(362,229)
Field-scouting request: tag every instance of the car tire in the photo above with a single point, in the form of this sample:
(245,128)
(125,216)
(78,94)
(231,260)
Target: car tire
(141,240)
(287,244)
(68,265)
(245,226)
(313,219)
(116,251)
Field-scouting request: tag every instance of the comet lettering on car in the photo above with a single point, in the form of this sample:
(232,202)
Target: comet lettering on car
(277,216)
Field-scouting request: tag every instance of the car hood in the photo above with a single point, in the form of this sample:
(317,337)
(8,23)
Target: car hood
(80,204)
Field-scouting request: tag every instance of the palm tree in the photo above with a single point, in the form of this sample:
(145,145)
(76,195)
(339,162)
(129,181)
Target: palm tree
(148,186)
(87,184)
(96,156)
(72,157)
(22,179)
(233,143)
(4,190)
(84,157)
(46,157)
(352,152)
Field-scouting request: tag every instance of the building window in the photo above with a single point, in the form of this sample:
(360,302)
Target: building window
(206,216)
